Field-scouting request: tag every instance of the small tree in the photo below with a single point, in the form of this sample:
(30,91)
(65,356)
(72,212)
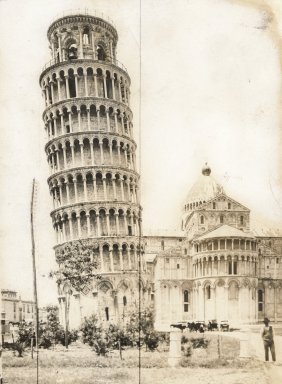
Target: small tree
(95,336)
(140,327)
(77,262)
(25,334)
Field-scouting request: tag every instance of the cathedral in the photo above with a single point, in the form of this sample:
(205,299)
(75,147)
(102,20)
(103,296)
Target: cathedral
(218,269)
(215,269)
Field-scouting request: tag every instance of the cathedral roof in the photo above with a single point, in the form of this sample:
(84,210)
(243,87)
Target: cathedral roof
(225,231)
(204,189)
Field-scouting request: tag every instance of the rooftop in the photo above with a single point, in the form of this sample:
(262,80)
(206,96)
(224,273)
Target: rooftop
(225,231)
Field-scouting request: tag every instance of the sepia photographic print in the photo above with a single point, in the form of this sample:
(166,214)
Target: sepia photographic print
(141,191)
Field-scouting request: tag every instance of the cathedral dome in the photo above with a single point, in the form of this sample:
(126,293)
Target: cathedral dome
(204,189)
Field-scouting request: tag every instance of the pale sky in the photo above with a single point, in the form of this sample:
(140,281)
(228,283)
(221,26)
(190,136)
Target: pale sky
(210,91)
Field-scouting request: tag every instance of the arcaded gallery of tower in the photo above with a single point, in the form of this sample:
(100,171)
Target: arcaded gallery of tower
(91,155)
(216,268)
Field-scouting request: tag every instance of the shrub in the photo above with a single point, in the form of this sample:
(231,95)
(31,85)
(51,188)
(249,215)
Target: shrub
(49,333)
(89,330)
(199,342)
(187,349)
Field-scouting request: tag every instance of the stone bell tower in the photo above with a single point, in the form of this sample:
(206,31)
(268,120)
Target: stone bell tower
(91,155)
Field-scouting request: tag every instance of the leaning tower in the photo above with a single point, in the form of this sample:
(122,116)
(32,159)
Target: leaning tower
(91,154)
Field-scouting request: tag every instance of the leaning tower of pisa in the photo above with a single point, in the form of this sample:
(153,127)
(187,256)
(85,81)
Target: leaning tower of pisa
(91,155)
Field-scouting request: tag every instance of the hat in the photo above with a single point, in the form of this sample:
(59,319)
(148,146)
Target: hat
(266,320)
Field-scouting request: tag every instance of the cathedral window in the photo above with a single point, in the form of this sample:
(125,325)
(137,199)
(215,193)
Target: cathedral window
(202,219)
(186,300)
(229,267)
(221,218)
(214,205)
(241,220)
(208,292)
(235,267)
(124,301)
(177,266)
(167,260)
(107,313)
(233,291)
(162,245)
(260,300)
(229,205)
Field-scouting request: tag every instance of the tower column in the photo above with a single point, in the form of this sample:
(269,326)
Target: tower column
(71,228)
(98,119)
(68,192)
(116,122)
(95,85)
(80,44)
(101,259)
(118,150)
(86,85)
(111,259)
(85,189)
(62,123)
(95,188)
(67,86)
(70,121)
(91,152)
(105,188)
(79,119)
(72,153)
(88,119)
(55,126)
(88,224)
(114,187)
(113,87)
(105,87)
(122,190)
(78,226)
(81,154)
(75,190)
(108,224)
(76,84)
(101,152)
(98,225)
(120,259)
(64,156)
(108,120)
(111,152)
(59,88)
(60,47)
(117,223)
(58,160)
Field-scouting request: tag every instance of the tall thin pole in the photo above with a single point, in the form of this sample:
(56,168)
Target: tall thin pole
(34,274)
(1,371)
(139,221)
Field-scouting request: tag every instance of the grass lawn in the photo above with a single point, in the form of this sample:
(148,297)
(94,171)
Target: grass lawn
(81,365)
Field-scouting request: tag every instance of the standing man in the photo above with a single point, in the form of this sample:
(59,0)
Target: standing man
(268,340)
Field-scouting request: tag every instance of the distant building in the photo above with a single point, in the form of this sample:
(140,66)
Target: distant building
(14,309)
